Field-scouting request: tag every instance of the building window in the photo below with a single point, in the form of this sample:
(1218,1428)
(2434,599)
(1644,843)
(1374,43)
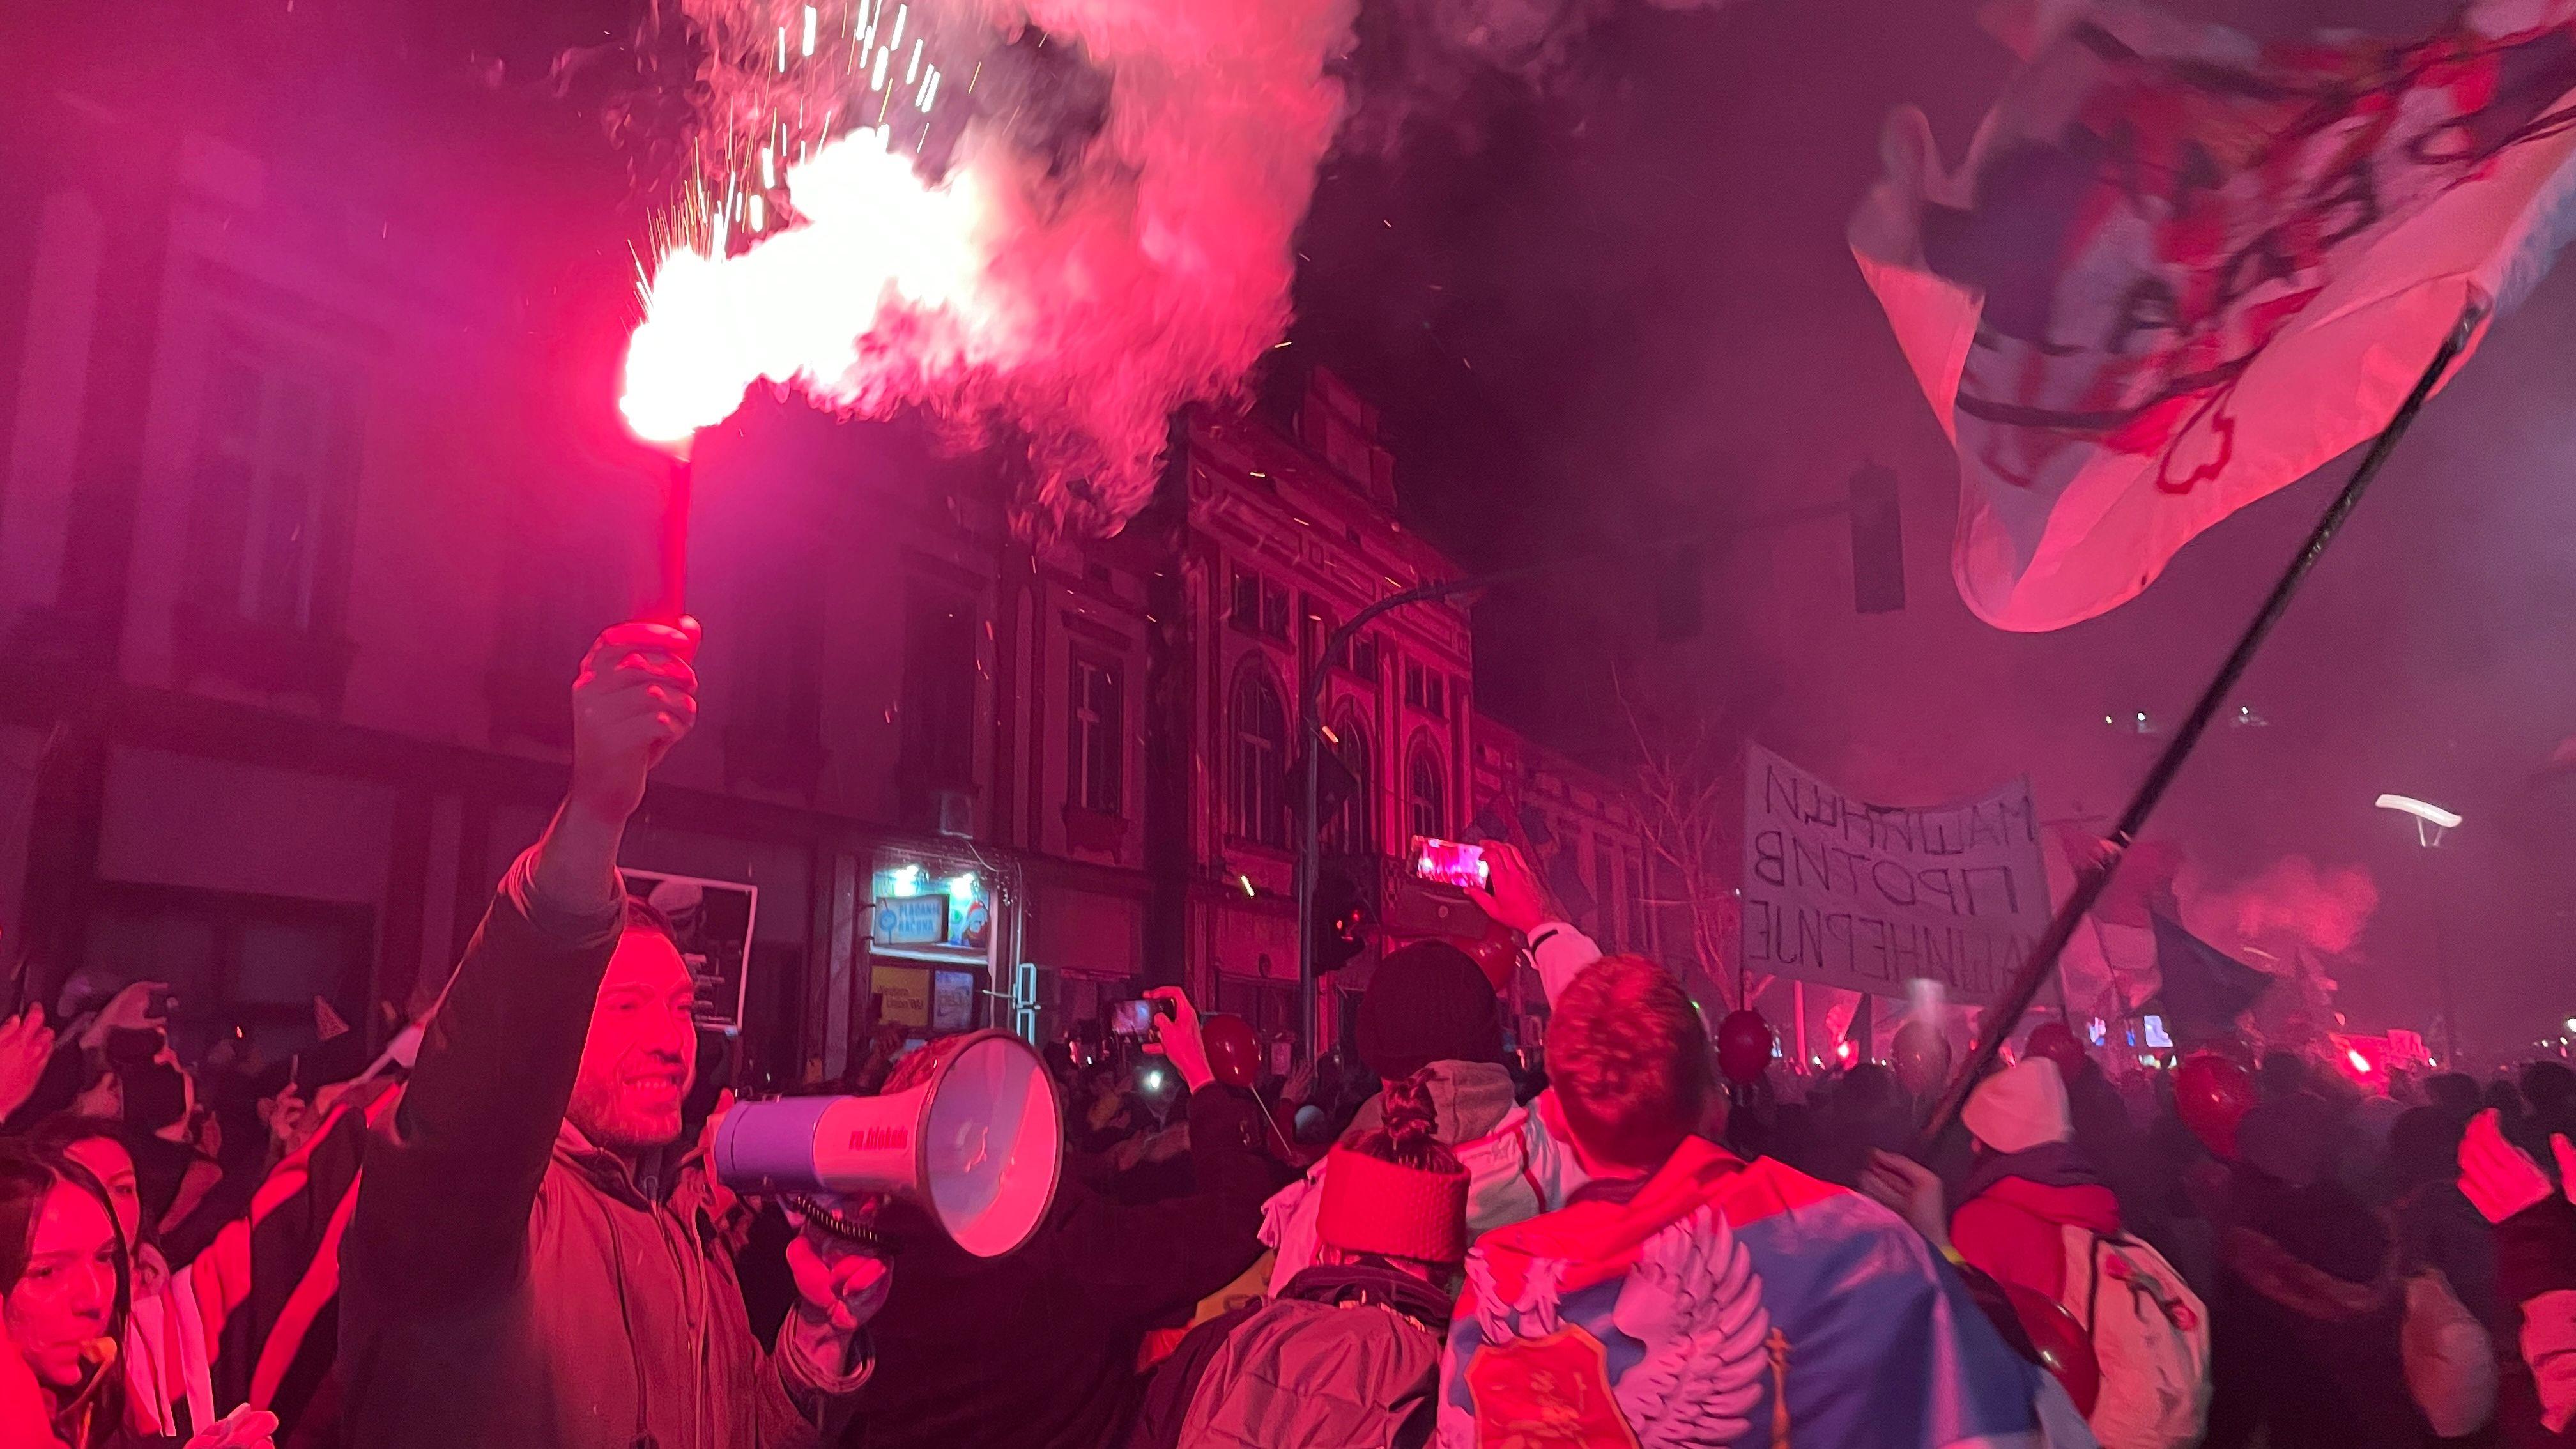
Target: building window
(1363,658)
(277,467)
(1268,1007)
(1353,828)
(1096,746)
(1259,605)
(1425,690)
(1358,655)
(938,709)
(1427,793)
(1257,802)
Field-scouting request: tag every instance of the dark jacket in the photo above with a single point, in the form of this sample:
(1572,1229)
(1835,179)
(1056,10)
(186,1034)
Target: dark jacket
(1037,1350)
(2436,1228)
(2304,1332)
(505,1284)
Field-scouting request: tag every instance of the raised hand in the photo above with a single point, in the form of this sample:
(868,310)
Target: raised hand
(1512,893)
(1179,1039)
(636,697)
(135,1007)
(2498,1178)
(26,1045)
(1910,1190)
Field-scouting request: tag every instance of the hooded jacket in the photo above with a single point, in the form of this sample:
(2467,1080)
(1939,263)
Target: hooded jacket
(2012,1226)
(2304,1328)
(508,1284)
(1520,1159)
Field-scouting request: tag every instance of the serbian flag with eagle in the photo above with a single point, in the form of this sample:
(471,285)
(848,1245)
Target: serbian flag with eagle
(2178,271)
(1730,1305)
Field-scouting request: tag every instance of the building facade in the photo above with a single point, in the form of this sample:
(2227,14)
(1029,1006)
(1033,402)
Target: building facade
(1584,836)
(1271,535)
(311,497)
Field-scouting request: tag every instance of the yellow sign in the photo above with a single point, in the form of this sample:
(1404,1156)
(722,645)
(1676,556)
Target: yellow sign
(903,994)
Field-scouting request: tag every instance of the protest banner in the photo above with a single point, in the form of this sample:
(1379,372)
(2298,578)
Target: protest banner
(1869,897)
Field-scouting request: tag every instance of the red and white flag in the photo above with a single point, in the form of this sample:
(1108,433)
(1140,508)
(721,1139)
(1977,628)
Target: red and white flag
(2178,271)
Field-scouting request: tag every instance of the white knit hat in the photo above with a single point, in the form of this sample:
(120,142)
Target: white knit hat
(2020,1107)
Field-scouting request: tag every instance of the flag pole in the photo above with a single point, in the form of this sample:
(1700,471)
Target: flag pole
(2006,1014)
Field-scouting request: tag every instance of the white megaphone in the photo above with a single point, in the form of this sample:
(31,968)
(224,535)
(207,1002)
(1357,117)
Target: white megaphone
(979,1146)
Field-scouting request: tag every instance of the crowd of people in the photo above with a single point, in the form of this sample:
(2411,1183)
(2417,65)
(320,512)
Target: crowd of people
(1643,1230)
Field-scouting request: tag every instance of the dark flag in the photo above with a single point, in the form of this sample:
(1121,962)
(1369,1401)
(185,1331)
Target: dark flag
(2204,988)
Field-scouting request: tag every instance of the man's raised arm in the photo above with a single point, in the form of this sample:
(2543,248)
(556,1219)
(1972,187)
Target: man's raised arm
(450,1182)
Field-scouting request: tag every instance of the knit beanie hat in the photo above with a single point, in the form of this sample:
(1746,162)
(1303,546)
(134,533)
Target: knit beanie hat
(1372,1205)
(2021,1107)
(1429,1002)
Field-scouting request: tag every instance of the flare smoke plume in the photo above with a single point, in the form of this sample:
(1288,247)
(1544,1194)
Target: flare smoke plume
(2325,910)
(1047,222)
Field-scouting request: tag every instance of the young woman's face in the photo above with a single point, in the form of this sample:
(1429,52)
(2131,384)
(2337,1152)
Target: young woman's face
(68,1293)
(113,1166)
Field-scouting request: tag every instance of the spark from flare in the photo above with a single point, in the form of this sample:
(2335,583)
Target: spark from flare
(1093,232)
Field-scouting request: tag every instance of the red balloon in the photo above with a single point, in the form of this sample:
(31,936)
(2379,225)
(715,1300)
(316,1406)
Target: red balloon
(2063,1346)
(1233,1052)
(2055,1041)
(2212,1095)
(1921,1057)
(1743,1047)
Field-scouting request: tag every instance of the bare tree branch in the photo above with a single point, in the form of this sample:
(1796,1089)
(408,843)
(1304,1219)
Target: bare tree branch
(1686,794)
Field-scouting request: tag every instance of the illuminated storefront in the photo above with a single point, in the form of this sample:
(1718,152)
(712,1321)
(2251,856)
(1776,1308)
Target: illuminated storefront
(939,926)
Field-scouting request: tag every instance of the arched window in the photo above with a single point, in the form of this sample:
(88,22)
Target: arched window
(1426,791)
(1257,789)
(1352,830)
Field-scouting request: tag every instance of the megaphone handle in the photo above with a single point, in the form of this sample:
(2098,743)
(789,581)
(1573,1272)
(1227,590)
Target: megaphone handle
(850,1230)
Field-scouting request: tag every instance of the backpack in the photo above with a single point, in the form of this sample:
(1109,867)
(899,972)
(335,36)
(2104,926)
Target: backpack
(2450,1360)
(2150,1334)
(1347,1356)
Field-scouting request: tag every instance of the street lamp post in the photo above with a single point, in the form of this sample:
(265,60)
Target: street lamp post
(1310,722)
(1310,732)
(2432,822)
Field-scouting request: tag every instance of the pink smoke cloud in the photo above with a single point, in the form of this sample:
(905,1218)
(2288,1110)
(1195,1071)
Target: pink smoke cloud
(2293,901)
(1045,222)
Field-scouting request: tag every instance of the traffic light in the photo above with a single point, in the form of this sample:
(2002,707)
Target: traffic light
(1335,784)
(1341,915)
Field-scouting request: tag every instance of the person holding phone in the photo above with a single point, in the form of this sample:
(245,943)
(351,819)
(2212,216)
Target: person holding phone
(1431,1010)
(530,1261)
